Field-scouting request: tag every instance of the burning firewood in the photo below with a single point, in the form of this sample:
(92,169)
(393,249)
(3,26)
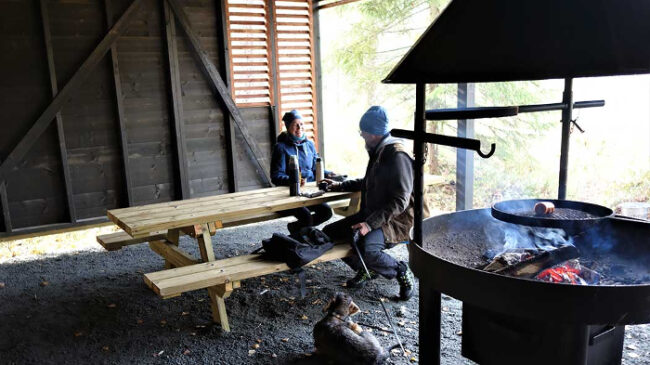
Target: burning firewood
(533,261)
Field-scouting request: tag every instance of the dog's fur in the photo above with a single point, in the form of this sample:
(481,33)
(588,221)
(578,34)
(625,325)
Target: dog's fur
(343,341)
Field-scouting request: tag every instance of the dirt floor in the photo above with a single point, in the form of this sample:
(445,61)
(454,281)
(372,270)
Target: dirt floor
(91,306)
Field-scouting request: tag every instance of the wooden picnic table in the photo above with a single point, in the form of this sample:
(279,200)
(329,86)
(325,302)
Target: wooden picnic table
(161,224)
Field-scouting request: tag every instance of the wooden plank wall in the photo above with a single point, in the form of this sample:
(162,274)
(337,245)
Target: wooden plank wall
(35,191)
(112,167)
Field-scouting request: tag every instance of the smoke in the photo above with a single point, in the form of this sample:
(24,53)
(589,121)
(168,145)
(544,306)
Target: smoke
(506,236)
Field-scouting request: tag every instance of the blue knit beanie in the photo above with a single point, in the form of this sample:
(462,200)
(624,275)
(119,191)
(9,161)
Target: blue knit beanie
(374,121)
(289,117)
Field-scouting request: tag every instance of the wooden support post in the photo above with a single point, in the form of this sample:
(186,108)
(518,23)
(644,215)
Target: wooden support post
(5,207)
(119,100)
(173,236)
(59,120)
(220,90)
(272,42)
(218,293)
(229,132)
(176,100)
(49,114)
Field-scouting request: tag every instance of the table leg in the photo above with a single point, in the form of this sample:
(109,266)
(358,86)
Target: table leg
(218,293)
(172,237)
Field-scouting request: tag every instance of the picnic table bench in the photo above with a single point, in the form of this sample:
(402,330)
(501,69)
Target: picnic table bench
(162,224)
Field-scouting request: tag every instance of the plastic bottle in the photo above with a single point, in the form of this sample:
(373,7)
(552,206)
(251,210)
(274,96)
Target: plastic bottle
(319,169)
(294,176)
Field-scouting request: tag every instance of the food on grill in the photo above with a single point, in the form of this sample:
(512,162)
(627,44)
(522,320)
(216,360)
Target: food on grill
(544,208)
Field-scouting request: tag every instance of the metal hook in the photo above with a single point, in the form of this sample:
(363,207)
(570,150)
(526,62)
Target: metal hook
(493,147)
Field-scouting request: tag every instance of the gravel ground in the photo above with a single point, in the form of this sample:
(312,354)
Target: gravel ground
(92,306)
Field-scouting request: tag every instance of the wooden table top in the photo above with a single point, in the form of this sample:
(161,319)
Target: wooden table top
(142,220)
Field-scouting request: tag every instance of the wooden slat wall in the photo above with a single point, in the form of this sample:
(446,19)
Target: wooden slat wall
(136,72)
(249,51)
(293,27)
(204,118)
(36,191)
(143,71)
(89,118)
(259,123)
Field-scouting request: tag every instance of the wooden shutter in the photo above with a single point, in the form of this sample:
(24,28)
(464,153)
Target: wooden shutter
(293,29)
(249,52)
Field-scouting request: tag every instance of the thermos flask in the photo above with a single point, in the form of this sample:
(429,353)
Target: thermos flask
(319,169)
(294,176)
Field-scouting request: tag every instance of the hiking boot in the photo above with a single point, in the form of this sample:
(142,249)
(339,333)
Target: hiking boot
(406,281)
(360,279)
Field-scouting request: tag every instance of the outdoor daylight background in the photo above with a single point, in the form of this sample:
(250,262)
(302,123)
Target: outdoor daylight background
(609,164)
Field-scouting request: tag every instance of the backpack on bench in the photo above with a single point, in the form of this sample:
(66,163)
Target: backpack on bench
(297,249)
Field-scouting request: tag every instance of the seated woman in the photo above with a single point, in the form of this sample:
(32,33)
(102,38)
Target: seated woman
(290,143)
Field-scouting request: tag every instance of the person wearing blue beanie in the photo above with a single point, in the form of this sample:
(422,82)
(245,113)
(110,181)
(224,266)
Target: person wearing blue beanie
(374,121)
(386,213)
(294,142)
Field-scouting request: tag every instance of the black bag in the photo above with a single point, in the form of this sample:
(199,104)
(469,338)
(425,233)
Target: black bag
(298,249)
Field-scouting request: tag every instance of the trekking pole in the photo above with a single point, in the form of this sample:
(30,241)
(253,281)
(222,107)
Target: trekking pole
(355,238)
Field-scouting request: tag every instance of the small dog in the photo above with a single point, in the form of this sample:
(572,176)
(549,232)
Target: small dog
(343,341)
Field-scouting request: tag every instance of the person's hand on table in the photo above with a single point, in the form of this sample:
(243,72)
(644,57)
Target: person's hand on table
(332,185)
(363,228)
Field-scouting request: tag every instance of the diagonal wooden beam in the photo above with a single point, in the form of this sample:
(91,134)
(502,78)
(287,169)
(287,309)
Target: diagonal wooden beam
(49,114)
(67,179)
(176,99)
(119,103)
(219,87)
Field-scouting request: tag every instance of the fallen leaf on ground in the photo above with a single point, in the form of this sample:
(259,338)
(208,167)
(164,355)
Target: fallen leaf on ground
(186,352)
(259,340)
(285,339)
(251,352)
(256,346)
(163,322)
(139,321)
(78,333)
(304,317)
(44,283)
(185,313)
(413,359)
(112,305)
(105,348)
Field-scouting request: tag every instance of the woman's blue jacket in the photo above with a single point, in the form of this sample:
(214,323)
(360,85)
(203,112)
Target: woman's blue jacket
(286,147)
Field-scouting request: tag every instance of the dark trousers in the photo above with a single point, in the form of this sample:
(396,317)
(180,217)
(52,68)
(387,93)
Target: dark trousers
(310,216)
(371,246)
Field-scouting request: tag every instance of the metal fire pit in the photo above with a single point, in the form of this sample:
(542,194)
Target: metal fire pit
(454,244)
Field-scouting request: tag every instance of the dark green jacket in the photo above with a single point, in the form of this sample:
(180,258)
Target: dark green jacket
(387,190)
